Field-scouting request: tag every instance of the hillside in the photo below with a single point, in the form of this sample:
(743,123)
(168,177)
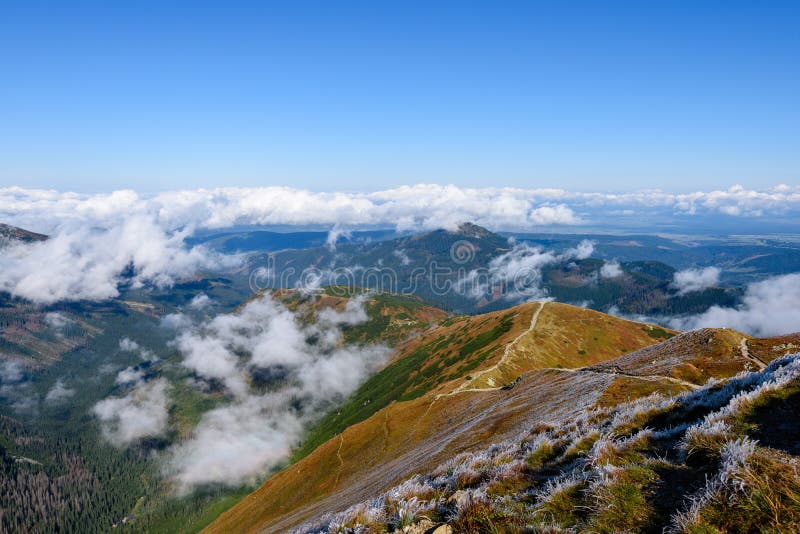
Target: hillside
(390,318)
(453,384)
(535,362)
(38,338)
(30,335)
(711,460)
(743,257)
(65,358)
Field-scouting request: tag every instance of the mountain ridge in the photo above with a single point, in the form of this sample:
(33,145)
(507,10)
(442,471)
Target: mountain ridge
(407,434)
(690,463)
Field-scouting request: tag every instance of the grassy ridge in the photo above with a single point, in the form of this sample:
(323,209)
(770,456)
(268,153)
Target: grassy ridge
(690,462)
(406,379)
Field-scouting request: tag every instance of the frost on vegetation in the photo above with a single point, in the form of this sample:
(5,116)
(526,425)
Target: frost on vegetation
(705,436)
(407,512)
(714,428)
(735,456)
(510,470)
(598,453)
(559,485)
(414,487)
(609,450)
(732,479)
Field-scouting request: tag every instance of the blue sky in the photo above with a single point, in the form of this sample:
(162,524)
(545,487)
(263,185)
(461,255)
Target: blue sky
(370,95)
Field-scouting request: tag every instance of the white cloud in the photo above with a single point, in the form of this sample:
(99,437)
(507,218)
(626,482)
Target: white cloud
(210,356)
(129,375)
(176,321)
(140,414)
(200,301)
(423,206)
(416,206)
(58,393)
(402,256)
(128,345)
(336,233)
(96,238)
(241,441)
(517,274)
(86,263)
(583,250)
(548,215)
(11,372)
(15,388)
(234,444)
(768,308)
(691,280)
(611,269)
(353,313)
(57,321)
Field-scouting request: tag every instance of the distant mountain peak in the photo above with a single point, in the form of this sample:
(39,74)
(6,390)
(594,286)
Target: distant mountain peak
(18,234)
(468,229)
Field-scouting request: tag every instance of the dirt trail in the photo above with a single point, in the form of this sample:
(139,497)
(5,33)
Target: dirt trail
(617,372)
(508,352)
(747,356)
(506,355)
(341,461)
(385,428)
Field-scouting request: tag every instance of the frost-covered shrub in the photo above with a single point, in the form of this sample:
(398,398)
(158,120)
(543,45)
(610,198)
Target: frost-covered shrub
(541,450)
(706,438)
(414,487)
(558,500)
(735,457)
(630,416)
(407,513)
(513,469)
(609,450)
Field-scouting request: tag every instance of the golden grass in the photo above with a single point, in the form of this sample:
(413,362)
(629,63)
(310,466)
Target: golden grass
(628,388)
(769,503)
(623,504)
(419,434)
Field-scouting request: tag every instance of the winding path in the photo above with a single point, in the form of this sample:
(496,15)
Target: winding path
(747,356)
(615,371)
(501,361)
(341,462)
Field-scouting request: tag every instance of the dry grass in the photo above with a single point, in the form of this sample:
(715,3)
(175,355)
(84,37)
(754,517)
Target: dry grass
(593,471)
(758,493)
(629,388)
(585,476)
(621,501)
(561,502)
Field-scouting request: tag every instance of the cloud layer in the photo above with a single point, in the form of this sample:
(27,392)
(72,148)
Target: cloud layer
(280,375)
(99,241)
(423,206)
(87,263)
(142,413)
(692,280)
(769,308)
(517,274)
